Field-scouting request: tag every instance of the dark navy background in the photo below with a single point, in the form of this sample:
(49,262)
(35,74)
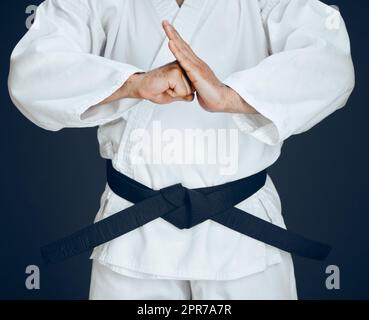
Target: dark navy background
(51,184)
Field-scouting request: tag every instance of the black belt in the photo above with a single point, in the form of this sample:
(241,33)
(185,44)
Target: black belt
(184,208)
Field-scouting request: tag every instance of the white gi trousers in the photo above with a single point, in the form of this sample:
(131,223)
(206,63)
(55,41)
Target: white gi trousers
(276,282)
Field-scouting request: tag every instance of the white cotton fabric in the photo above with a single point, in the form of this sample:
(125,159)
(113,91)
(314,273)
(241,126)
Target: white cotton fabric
(275,283)
(285,57)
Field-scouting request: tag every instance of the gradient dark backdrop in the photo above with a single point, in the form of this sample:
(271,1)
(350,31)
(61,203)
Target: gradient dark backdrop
(51,184)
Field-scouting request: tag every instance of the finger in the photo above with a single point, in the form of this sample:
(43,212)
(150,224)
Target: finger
(169,30)
(186,84)
(187,80)
(179,88)
(164,98)
(180,49)
(189,98)
(185,62)
(171,93)
(174,36)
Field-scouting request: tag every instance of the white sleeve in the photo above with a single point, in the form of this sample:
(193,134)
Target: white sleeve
(57,75)
(308,75)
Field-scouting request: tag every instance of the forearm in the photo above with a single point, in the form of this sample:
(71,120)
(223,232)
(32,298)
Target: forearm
(127,90)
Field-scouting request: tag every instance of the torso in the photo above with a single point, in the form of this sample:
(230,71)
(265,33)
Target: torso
(229,36)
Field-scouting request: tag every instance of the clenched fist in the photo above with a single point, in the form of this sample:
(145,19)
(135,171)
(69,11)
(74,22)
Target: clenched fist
(163,85)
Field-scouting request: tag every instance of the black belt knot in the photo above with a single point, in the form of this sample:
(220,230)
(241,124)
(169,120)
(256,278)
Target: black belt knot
(191,206)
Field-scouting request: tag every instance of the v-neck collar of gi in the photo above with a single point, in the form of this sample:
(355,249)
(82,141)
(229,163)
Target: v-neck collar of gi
(166,9)
(184,18)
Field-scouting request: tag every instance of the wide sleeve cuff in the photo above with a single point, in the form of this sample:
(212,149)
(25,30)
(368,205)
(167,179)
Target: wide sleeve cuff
(266,126)
(89,113)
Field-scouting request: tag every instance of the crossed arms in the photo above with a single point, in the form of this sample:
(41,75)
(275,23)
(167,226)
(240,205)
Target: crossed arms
(181,80)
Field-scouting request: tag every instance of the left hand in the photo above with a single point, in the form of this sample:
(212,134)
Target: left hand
(212,94)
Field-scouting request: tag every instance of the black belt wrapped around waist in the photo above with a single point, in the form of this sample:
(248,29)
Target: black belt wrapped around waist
(184,208)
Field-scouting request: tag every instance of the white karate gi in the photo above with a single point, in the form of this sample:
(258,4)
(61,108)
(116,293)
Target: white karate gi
(290,59)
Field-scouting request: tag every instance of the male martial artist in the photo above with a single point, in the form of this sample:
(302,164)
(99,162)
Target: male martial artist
(240,75)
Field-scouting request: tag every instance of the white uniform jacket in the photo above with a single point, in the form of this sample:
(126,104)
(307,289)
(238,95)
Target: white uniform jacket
(290,59)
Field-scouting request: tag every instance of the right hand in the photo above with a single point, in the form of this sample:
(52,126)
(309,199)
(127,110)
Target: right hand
(163,85)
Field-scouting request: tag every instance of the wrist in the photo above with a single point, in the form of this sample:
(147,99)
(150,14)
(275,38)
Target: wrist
(236,104)
(131,88)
